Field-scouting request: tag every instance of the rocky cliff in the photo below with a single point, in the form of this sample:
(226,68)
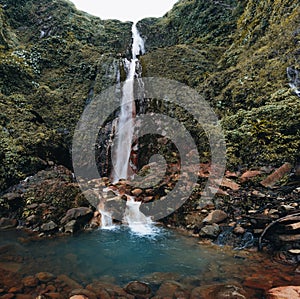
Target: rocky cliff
(53,58)
(243,56)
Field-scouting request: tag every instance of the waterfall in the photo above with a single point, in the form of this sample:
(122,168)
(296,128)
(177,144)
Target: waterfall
(126,117)
(136,220)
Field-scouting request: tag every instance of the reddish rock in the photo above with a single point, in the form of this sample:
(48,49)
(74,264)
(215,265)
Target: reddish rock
(54,295)
(44,276)
(274,177)
(69,281)
(25,296)
(8,296)
(169,288)
(230,184)
(216,216)
(17,289)
(260,282)
(79,297)
(137,192)
(249,174)
(289,292)
(30,281)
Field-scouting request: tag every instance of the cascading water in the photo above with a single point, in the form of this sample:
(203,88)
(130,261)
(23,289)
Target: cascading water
(126,117)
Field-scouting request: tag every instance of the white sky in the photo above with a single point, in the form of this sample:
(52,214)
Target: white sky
(125,10)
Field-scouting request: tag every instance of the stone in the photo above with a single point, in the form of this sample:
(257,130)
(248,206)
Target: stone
(230,184)
(8,296)
(169,288)
(257,281)
(138,289)
(83,292)
(249,174)
(239,230)
(69,281)
(274,177)
(216,216)
(24,296)
(137,192)
(49,226)
(289,292)
(79,297)
(30,281)
(230,291)
(7,223)
(77,213)
(211,231)
(17,289)
(71,227)
(45,276)
(54,295)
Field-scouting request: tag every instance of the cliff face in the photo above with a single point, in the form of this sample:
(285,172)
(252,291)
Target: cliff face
(53,58)
(236,53)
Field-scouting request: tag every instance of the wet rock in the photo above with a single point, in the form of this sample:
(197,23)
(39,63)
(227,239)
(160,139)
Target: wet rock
(7,223)
(289,292)
(257,281)
(30,281)
(71,227)
(69,281)
(216,216)
(138,289)
(169,288)
(83,292)
(45,276)
(81,213)
(211,231)
(49,226)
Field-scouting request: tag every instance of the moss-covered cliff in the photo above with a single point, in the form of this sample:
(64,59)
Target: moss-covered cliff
(236,53)
(53,58)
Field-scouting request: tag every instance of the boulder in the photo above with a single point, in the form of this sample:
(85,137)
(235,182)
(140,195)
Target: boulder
(45,276)
(289,292)
(49,226)
(81,213)
(30,281)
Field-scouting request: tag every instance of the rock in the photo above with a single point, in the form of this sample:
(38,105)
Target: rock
(230,184)
(249,174)
(78,213)
(289,292)
(216,216)
(49,226)
(24,296)
(230,291)
(169,288)
(8,296)
(211,231)
(79,297)
(71,227)
(257,281)
(69,281)
(45,276)
(137,192)
(54,295)
(7,223)
(138,289)
(17,289)
(30,281)
(83,292)
(273,178)
(239,230)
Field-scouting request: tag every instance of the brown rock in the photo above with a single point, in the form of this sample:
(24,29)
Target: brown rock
(79,297)
(69,281)
(30,281)
(210,231)
(8,296)
(216,216)
(273,178)
(169,288)
(137,192)
(75,213)
(17,289)
(44,276)
(238,230)
(257,281)
(54,295)
(230,184)
(289,292)
(138,289)
(24,296)
(249,174)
